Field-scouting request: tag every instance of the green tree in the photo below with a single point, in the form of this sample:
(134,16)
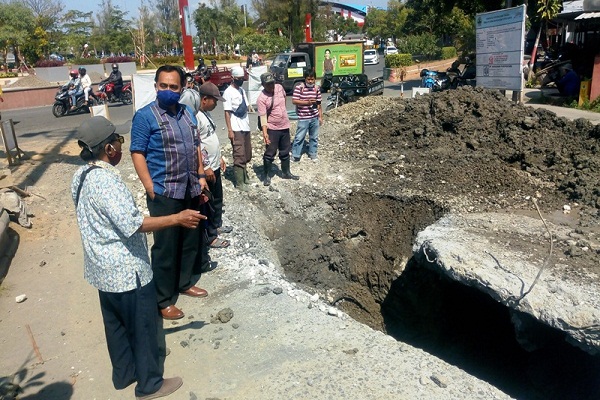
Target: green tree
(47,17)
(219,26)
(290,16)
(169,25)
(388,23)
(16,27)
(111,34)
(77,29)
(376,24)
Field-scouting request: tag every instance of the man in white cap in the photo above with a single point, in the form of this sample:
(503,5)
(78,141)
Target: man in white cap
(238,127)
(116,262)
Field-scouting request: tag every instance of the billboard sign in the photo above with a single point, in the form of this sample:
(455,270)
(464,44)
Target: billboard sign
(500,46)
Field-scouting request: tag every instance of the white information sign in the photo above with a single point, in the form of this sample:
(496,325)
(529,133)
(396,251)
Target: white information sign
(500,46)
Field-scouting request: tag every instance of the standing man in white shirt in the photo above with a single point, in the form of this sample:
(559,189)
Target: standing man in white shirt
(238,126)
(214,167)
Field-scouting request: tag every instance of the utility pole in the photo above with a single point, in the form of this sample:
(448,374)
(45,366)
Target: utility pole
(186,33)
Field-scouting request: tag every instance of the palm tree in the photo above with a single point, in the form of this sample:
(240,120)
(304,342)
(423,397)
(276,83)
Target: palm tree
(547,10)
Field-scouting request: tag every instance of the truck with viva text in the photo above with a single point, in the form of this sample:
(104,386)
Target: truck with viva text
(327,59)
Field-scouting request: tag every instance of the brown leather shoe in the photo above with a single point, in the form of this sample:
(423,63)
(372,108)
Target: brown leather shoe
(171,312)
(169,386)
(195,291)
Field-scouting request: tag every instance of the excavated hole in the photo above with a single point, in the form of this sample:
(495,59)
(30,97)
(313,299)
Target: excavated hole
(361,262)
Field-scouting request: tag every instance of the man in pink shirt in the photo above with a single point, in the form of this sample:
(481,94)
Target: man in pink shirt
(275,126)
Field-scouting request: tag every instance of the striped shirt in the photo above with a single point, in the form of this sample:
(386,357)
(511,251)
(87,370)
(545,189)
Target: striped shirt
(170,145)
(303,93)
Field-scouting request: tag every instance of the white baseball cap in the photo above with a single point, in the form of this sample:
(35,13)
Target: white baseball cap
(237,72)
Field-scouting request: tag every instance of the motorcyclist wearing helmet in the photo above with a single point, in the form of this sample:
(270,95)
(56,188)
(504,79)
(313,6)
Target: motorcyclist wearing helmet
(201,65)
(74,87)
(116,78)
(86,83)
(202,71)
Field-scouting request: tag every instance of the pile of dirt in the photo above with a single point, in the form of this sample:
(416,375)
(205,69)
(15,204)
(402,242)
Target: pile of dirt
(476,146)
(30,81)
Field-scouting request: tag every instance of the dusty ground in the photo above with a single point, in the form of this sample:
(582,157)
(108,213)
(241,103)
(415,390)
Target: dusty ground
(388,168)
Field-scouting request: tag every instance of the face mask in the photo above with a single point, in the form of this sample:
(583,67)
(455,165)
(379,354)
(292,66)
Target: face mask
(309,85)
(167,97)
(116,158)
(238,82)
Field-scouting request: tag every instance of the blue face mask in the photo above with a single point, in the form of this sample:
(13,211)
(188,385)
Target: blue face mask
(167,97)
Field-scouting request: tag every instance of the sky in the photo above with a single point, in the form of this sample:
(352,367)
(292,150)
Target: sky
(131,6)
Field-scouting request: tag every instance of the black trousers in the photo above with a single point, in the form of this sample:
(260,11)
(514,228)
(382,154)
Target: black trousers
(130,324)
(214,210)
(174,252)
(280,140)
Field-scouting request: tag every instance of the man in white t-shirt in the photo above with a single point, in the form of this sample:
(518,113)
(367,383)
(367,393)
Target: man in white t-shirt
(238,126)
(214,165)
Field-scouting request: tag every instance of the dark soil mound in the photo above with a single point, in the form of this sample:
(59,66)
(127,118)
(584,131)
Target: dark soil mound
(476,144)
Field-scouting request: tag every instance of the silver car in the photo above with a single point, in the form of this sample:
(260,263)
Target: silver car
(371,57)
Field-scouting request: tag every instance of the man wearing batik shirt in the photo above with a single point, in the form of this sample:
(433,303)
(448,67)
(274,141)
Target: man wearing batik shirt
(307,99)
(165,148)
(116,262)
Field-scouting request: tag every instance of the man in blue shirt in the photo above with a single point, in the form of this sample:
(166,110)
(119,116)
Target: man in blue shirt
(116,262)
(165,148)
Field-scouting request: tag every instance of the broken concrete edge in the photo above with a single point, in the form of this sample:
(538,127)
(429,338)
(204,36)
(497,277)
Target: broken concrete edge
(457,247)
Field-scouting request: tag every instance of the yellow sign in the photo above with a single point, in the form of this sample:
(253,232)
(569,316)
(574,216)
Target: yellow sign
(584,91)
(295,72)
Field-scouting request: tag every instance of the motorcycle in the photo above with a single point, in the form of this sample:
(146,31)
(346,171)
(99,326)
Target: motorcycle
(326,82)
(62,104)
(106,93)
(451,79)
(340,95)
(434,80)
(460,78)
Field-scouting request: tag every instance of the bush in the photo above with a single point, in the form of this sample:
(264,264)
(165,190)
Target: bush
(448,52)
(423,46)
(49,63)
(170,60)
(118,59)
(398,60)
(85,61)
(8,74)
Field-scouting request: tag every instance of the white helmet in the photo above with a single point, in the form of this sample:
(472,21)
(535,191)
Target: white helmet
(237,72)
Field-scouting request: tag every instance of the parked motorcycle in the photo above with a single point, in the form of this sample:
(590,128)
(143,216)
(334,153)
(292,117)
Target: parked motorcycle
(326,82)
(434,80)
(62,104)
(451,79)
(340,95)
(106,93)
(458,77)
